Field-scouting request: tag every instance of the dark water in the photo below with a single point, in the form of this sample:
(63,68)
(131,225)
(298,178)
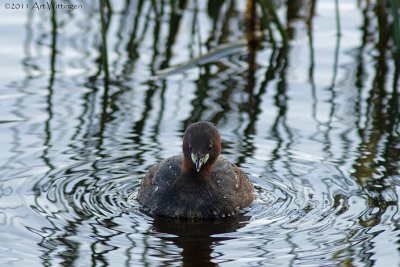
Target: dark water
(314,124)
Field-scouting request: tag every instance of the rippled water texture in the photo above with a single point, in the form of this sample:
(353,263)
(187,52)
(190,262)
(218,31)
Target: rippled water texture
(87,107)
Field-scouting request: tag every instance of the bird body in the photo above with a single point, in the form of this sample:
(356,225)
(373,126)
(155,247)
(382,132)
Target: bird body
(197,184)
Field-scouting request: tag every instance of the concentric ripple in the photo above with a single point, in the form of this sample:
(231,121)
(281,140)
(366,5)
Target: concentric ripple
(79,192)
(312,194)
(310,208)
(307,206)
(315,197)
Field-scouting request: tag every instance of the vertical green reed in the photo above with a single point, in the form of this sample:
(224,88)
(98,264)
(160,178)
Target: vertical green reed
(268,9)
(337,13)
(104,57)
(394,6)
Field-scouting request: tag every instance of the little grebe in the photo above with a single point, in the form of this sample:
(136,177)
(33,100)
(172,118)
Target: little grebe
(197,184)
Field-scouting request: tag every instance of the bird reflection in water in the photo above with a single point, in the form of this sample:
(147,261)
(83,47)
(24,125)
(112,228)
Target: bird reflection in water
(197,238)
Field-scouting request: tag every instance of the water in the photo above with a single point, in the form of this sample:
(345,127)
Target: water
(315,125)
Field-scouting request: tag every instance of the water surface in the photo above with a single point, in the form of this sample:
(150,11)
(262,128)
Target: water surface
(315,124)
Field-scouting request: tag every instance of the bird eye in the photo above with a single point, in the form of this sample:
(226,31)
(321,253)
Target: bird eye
(210,147)
(190,148)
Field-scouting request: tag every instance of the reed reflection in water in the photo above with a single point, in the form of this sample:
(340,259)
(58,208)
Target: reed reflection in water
(306,97)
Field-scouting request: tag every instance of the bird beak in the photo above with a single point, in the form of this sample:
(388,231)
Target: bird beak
(199,161)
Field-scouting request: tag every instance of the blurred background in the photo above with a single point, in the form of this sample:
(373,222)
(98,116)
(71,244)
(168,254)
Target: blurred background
(305,94)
